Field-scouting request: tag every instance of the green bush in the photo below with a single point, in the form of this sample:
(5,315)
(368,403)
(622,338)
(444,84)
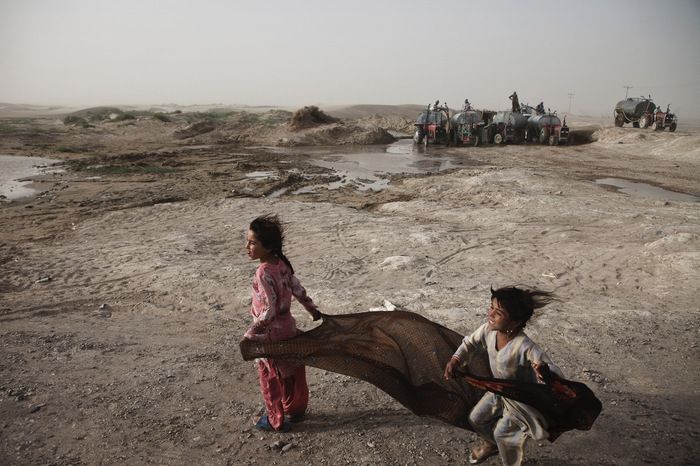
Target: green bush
(124,116)
(72,120)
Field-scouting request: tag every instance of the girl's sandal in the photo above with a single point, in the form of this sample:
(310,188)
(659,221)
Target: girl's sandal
(482,452)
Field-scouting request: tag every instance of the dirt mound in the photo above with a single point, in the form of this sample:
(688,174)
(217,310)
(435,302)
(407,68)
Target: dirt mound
(390,123)
(661,144)
(337,134)
(612,135)
(309,117)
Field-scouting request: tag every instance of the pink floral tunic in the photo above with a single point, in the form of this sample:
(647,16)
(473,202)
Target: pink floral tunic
(273,288)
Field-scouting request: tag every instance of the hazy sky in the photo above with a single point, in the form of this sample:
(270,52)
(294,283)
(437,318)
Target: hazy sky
(325,52)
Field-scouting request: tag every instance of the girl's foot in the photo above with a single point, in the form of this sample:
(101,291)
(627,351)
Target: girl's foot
(482,452)
(264,424)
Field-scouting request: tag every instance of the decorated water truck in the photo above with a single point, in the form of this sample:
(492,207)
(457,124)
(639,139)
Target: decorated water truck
(468,126)
(433,125)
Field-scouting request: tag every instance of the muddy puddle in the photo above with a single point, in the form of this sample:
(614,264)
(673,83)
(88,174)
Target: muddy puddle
(645,190)
(15,171)
(370,168)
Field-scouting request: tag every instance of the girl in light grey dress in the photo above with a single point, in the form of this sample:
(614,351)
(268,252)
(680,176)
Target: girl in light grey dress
(505,424)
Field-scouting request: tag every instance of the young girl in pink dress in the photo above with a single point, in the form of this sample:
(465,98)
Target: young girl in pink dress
(282,383)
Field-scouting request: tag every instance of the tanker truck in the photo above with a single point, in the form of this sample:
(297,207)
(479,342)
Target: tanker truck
(636,110)
(433,125)
(547,128)
(507,126)
(468,126)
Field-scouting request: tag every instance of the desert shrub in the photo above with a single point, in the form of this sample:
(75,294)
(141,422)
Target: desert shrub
(249,117)
(97,113)
(94,114)
(162,117)
(73,120)
(215,115)
(123,117)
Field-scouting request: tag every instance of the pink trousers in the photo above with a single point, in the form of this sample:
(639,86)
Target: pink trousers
(288,395)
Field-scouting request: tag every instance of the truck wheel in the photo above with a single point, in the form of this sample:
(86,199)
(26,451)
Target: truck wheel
(672,128)
(619,121)
(498,138)
(418,136)
(644,122)
(544,135)
(553,140)
(655,126)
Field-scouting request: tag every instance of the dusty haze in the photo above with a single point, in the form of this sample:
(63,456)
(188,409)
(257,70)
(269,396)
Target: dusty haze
(81,53)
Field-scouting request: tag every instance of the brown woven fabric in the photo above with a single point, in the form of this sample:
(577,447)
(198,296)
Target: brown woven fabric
(405,355)
(565,404)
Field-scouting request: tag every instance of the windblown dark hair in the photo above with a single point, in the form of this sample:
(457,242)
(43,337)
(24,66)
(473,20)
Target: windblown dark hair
(269,231)
(520,303)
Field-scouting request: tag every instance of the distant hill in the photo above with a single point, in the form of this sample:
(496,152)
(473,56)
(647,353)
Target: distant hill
(8,110)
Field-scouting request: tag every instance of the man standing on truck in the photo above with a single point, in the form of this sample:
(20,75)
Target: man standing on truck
(516,103)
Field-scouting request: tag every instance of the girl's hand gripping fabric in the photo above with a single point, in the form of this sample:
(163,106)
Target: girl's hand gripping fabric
(542,371)
(316,314)
(451,366)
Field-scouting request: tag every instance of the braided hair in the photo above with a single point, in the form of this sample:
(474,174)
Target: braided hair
(269,231)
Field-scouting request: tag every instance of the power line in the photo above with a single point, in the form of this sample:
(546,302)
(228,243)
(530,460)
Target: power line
(571,97)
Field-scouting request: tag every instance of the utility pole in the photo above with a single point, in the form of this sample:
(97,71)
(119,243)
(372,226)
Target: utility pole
(571,96)
(627,88)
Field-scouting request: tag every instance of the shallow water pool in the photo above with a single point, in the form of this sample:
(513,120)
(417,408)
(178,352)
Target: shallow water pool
(367,167)
(14,168)
(648,191)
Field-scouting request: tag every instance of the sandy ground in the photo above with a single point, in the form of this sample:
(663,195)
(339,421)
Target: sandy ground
(125,290)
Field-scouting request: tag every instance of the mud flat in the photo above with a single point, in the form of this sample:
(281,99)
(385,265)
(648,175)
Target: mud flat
(15,169)
(125,291)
